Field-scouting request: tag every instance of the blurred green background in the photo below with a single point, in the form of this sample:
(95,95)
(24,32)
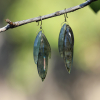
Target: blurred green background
(19,79)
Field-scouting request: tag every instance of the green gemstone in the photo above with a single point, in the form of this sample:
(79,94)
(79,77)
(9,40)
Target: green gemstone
(66,45)
(36,46)
(42,54)
(61,40)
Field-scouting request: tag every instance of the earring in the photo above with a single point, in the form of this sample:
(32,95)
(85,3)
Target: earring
(66,45)
(41,53)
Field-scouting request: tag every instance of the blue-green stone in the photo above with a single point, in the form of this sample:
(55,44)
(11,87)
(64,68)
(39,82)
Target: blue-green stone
(66,46)
(36,46)
(42,54)
(61,40)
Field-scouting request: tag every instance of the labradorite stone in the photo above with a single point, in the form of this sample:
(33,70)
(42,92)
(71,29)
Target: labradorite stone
(66,45)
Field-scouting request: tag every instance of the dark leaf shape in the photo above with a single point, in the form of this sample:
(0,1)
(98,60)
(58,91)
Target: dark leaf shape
(43,50)
(95,6)
(66,45)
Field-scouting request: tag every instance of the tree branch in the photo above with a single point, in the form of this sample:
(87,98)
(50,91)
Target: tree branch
(36,19)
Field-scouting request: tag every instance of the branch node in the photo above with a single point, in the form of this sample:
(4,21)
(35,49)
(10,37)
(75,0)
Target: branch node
(57,13)
(12,25)
(8,21)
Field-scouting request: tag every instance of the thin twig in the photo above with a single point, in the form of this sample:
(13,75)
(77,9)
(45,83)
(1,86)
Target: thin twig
(36,19)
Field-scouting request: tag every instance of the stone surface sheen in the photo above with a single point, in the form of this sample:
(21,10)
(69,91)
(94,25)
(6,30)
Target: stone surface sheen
(66,45)
(42,52)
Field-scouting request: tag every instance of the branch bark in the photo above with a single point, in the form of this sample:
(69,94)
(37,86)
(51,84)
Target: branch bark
(36,19)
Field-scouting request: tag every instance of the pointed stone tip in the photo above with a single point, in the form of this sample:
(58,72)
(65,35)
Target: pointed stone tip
(69,72)
(42,79)
(68,69)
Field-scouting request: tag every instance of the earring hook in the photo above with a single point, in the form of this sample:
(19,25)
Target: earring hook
(41,22)
(65,15)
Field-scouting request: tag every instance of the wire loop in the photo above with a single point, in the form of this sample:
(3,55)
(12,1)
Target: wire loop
(65,15)
(41,23)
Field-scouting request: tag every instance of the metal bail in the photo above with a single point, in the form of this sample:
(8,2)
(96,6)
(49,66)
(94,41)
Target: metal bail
(65,15)
(41,23)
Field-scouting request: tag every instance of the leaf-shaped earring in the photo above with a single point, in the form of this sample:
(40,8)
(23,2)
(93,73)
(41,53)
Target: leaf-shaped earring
(66,45)
(42,51)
